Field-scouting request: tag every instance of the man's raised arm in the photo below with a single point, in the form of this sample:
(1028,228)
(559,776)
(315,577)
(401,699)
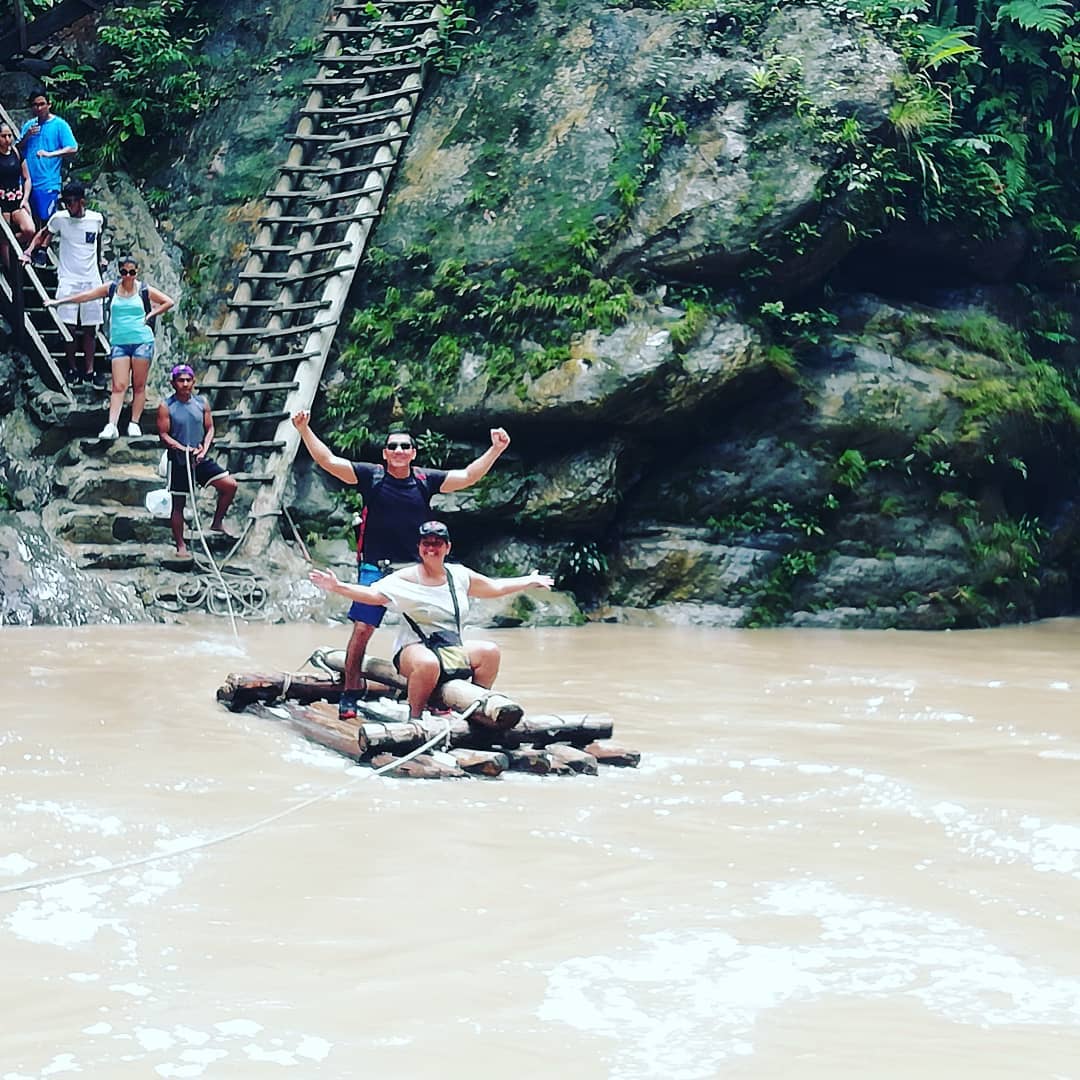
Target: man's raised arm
(458,479)
(320,452)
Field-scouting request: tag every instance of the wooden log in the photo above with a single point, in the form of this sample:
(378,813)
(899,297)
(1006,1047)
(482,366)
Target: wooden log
(538,762)
(317,724)
(422,767)
(610,753)
(577,729)
(242,689)
(482,762)
(575,760)
(378,734)
(494,710)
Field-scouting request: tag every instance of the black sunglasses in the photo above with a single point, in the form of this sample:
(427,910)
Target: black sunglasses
(399,446)
(128,273)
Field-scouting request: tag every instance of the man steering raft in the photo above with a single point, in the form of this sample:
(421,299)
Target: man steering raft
(397,500)
(433,598)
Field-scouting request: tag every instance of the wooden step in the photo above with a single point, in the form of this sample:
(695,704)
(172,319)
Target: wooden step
(287,358)
(374,54)
(387,69)
(352,193)
(344,170)
(227,446)
(261,275)
(246,385)
(307,328)
(312,275)
(333,245)
(316,222)
(304,305)
(380,27)
(250,418)
(385,95)
(355,119)
(295,136)
(372,140)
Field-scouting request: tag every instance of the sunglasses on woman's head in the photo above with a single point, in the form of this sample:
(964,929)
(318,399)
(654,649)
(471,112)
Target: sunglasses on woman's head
(128,273)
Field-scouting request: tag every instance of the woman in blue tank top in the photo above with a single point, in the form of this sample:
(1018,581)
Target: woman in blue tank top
(133,307)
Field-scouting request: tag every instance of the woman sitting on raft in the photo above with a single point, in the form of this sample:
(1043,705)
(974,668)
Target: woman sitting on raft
(433,598)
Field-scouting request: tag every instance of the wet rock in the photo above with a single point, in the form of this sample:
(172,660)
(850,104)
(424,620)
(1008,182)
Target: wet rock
(40,584)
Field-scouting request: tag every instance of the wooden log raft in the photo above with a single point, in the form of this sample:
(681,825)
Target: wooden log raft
(485,733)
(399,737)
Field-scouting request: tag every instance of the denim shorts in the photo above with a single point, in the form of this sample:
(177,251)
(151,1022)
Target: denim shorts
(138,350)
(372,614)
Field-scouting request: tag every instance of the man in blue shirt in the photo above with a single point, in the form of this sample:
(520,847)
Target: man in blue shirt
(44,143)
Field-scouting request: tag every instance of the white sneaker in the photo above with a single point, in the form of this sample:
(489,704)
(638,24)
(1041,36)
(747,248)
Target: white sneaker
(134,431)
(109,431)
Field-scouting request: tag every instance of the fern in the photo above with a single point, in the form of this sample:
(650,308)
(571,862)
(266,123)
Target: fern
(1046,16)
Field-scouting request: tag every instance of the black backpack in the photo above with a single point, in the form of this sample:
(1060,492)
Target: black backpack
(380,475)
(144,293)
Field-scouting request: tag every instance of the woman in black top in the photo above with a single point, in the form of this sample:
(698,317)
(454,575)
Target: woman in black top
(15,188)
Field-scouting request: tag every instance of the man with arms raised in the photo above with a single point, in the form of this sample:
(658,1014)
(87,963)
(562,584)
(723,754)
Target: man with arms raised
(397,501)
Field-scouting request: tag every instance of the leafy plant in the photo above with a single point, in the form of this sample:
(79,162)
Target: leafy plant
(149,89)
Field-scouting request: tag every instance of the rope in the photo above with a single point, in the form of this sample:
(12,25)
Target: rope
(244,830)
(209,590)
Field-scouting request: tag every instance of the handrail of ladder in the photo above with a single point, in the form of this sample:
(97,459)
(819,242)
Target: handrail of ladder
(316,344)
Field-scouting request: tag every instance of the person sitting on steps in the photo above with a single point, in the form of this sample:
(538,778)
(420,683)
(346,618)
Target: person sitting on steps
(433,598)
(133,307)
(186,427)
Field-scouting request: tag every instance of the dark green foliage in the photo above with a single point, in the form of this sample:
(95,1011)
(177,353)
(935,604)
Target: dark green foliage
(148,91)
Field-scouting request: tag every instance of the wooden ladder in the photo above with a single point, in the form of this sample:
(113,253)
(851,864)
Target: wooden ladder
(40,332)
(269,355)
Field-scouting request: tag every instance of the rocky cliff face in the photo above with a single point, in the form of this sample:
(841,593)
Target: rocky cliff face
(778,427)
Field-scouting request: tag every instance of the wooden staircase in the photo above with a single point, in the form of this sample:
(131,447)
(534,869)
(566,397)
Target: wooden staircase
(270,354)
(23,292)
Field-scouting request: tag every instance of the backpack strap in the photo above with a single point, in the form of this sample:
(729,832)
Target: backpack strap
(457,613)
(361,525)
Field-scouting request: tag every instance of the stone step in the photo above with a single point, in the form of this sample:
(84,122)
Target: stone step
(145,449)
(127,556)
(112,485)
(110,525)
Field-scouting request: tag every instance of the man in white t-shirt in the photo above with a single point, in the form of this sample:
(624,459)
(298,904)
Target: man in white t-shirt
(78,270)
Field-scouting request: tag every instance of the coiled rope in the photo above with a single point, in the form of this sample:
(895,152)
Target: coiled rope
(209,590)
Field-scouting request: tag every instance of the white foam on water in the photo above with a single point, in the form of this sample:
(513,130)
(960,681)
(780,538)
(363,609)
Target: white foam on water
(715,987)
(109,825)
(16,864)
(62,1063)
(239,1027)
(203,1057)
(153,1039)
(60,914)
(222,647)
(272,1057)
